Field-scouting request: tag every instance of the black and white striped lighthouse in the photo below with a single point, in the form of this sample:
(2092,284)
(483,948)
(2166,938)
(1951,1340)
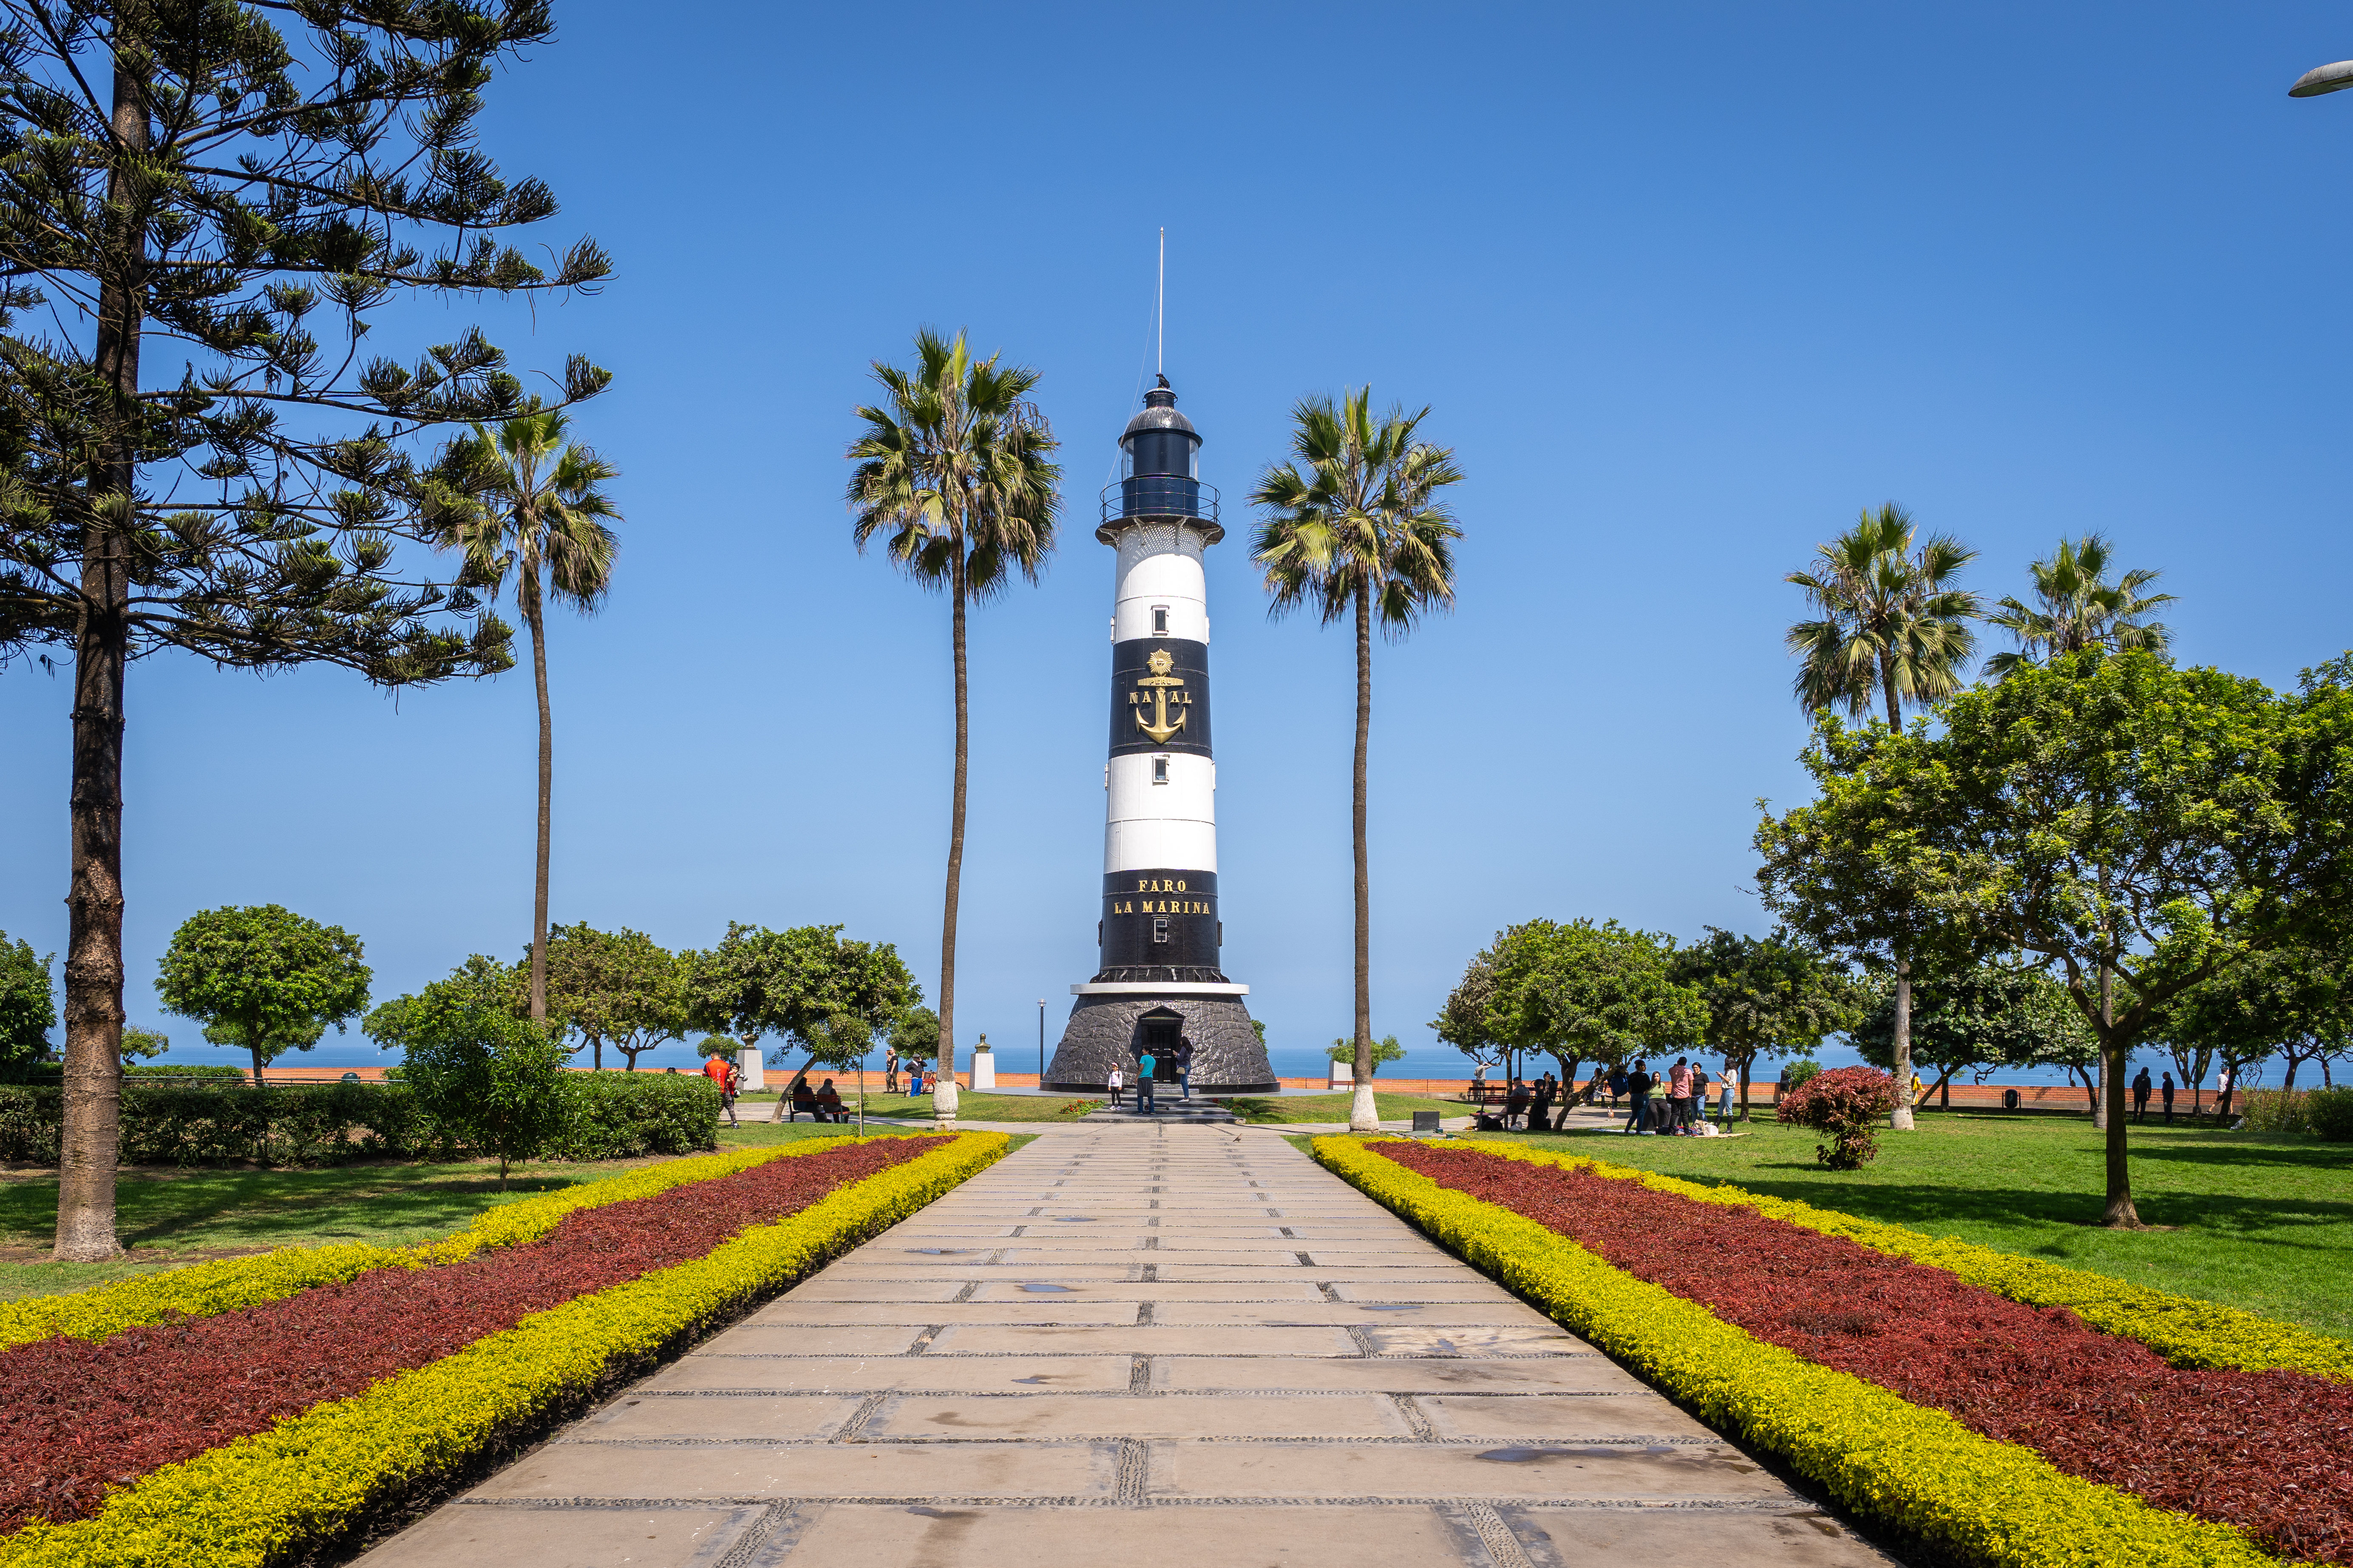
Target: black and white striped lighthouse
(1160,983)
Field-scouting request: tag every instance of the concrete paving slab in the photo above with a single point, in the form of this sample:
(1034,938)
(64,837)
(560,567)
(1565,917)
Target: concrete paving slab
(735,1470)
(1344,1314)
(1528,1416)
(794,1374)
(1659,1472)
(1541,1375)
(1526,1339)
(1157,1290)
(569,1538)
(1015,1339)
(1021,1309)
(777,1417)
(865,1339)
(938,1418)
(1790,1538)
(856,1536)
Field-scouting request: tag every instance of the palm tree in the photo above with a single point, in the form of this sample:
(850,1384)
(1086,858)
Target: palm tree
(955,473)
(2080,609)
(1892,629)
(534,508)
(1355,524)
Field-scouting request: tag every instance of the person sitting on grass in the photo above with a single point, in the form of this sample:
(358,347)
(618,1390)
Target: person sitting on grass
(804,1101)
(829,1104)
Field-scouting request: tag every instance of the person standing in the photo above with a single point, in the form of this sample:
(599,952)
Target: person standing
(1638,1090)
(1117,1084)
(2166,1091)
(1145,1066)
(1678,1094)
(2222,1094)
(716,1069)
(2140,1096)
(1617,1088)
(1698,1098)
(1185,1069)
(1723,1101)
(889,1072)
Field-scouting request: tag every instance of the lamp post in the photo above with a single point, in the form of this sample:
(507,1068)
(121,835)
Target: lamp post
(1041,1045)
(2334,78)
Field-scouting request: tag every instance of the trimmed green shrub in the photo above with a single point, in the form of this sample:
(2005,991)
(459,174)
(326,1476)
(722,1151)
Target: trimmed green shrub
(608,1116)
(2329,1114)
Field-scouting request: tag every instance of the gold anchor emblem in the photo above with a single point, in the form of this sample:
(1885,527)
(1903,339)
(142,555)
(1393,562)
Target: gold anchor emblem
(1160,680)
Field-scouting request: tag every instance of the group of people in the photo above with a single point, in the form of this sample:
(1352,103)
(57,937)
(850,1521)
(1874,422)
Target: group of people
(1146,1065)
(923,1078)
(1673,1104)
(2140,1092)
(820,1104)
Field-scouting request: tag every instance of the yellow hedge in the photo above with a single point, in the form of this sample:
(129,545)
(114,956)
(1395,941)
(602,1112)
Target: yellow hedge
(1913,1471)
(270,1497)
(202,1289)
(2185,1331)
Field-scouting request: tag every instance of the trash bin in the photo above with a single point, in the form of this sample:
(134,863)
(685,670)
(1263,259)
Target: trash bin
(1425,1122)
(2009,1100)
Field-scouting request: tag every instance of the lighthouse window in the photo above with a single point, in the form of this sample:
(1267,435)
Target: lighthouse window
(1159,770)
(1160,929)
(1160,620)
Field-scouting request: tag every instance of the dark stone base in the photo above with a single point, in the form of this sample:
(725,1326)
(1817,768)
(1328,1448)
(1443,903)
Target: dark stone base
(1100,1035)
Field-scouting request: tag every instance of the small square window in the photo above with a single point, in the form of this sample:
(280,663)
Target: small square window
(1159,770)
(1160,620)
(1159,928)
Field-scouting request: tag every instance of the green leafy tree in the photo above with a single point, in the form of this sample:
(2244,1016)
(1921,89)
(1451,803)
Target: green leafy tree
(2135,827)
(621,988)
(1992,1015)
(533,506)
(796,984)
(204,209)
(481,983)
(1584,992)
(1385,1049)
(144,1044)
(1890,629)
(914,1035)
(2293,1001)
(1356,525)
(28,1009)
(956,476)
(495,1079)
(1764,996)
(2077,608)
(263,979)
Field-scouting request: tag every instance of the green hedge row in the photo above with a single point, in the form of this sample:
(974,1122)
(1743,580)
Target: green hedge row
(613,1116)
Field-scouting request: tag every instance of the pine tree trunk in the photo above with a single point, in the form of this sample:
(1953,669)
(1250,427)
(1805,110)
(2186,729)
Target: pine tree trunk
(536,618)
(1364,1115)
(943,1099)
(92,1136)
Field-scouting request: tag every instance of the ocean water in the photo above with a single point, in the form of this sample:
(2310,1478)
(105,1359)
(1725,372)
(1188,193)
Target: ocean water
(1300,1061)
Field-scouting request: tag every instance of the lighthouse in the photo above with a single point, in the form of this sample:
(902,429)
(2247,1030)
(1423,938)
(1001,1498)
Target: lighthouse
(1159,984)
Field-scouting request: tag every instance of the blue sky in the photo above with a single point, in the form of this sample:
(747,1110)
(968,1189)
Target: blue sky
(1686,286)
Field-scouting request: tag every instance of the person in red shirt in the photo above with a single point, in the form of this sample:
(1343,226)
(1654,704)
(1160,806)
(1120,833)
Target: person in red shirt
(720,1071)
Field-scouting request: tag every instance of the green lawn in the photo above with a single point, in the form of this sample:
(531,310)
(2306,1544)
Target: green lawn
(169,1217)
(2260,1222)
(1268,1110)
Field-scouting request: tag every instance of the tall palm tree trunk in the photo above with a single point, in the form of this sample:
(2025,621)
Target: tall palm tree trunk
(944,1097)
(1363,1116)
(1901,1117)
(92,1130)
(536,621)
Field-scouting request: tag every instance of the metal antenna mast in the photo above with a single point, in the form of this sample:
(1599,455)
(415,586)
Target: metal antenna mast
(1160,311)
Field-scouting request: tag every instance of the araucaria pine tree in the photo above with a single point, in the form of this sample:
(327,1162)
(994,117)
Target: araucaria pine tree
(202,203)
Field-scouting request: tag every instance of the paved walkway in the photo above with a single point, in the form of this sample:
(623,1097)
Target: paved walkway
(1136,1346)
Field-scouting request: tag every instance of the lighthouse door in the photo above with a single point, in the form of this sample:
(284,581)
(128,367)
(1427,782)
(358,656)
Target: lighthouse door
(1158,1032)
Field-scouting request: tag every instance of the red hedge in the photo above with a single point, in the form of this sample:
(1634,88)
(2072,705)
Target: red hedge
(76,1416)
(2266,1451)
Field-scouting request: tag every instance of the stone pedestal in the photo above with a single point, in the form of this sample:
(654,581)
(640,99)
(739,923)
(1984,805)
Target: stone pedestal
(1102,1035)
(984,1069)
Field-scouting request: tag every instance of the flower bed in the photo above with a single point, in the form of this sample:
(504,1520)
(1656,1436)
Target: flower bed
(312,1461)
(2184,1330)
(1915,1471)
(2260,1450)
(203,1288)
